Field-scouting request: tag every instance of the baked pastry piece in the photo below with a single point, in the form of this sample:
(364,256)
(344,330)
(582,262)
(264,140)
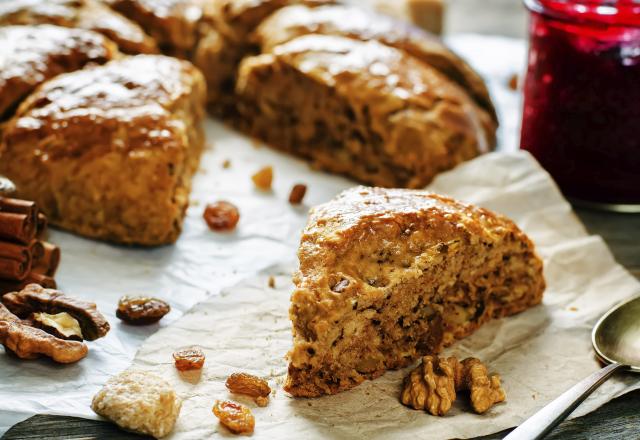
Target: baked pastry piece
(83,14)
(139,401)
(108,152)
(361,24)
(388,275)
(227,40)
(174,24)
(29,55)
(362,109)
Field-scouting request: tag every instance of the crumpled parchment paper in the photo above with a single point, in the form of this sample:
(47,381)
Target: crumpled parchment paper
(202,263)
(538,353)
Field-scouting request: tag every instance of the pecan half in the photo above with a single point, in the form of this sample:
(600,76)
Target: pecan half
(33,298)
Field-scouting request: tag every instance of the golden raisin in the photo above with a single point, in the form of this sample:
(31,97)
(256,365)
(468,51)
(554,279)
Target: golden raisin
(236,417)
(141,310)
(297,194)
(248,384)
(189,359)
(263,178)
(221,216)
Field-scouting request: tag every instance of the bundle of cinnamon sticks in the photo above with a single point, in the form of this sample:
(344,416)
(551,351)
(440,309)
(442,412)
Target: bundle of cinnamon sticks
(25,257)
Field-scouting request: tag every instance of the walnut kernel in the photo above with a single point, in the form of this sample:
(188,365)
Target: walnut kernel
(61,325)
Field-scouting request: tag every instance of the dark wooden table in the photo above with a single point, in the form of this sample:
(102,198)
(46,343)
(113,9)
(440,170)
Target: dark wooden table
(619,419)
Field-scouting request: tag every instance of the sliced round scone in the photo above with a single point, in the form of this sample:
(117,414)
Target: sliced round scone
(361,109)
(389,275)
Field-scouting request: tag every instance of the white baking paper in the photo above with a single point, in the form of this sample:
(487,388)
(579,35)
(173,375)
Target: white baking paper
(202,262)
(538,353)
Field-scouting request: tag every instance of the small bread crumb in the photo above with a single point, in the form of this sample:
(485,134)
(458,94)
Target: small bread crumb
(272,282)
(513,82)
(139,401)
(226,164)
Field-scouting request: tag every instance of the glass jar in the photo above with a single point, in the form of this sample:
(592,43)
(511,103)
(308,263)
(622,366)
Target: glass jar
(581,116)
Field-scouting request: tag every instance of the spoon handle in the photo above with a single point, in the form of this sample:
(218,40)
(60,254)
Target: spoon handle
(538,426)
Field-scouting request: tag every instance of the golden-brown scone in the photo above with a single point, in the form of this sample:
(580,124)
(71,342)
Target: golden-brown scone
(29,55)
(108,152)
(83,14)
(388,275)
(359,23)
(174,24)
(362,109)
(226,41)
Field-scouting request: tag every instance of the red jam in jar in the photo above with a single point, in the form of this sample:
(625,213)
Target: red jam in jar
(582,98)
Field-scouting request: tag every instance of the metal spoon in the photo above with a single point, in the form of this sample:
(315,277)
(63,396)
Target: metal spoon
(616,340)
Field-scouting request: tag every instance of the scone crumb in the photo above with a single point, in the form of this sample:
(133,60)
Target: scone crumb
(263,178)
(514,81)
(433,384)
(297,194)
(271,282)
(226,164)
(139,401)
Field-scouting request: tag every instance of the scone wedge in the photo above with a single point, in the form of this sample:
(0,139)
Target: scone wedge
(389,275)
(108,152)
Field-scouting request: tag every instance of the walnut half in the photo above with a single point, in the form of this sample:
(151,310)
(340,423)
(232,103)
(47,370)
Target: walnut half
(432,385)
(61,325)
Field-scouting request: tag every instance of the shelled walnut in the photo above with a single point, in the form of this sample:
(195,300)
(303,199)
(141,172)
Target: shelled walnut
(61,325)
(432,385)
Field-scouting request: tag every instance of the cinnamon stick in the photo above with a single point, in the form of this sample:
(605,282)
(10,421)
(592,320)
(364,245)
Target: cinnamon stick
(14,270)
(18,227)
(15,286)
(16,252)
(36,249)
(48,264)
(43,222)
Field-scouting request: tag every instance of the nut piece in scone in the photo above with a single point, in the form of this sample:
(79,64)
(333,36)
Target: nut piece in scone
(139,401)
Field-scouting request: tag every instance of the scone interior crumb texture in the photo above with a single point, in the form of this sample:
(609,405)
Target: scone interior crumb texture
(387,276)
(139,401)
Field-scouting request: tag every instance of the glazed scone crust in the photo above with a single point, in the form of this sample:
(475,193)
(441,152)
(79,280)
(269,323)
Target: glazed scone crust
(362,109)
(108,152)
(82,14)
(387,276)
(358,23)
(139,401)
(29,55)
(174,24)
